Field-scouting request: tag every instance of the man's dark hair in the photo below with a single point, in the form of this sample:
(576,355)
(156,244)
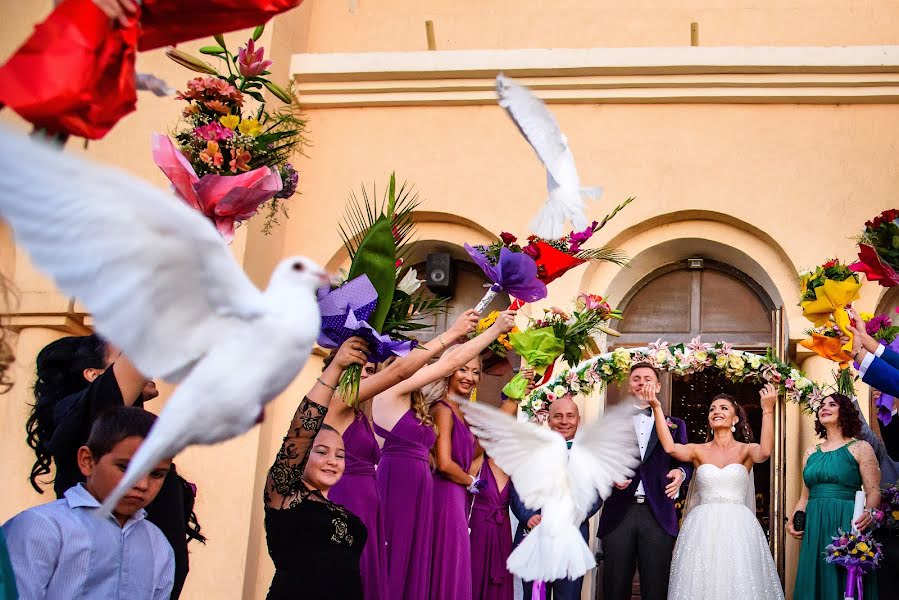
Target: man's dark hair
(645,365)
(115,425)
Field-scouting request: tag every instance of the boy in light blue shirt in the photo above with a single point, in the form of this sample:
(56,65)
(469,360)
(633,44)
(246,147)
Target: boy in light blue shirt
(64,549)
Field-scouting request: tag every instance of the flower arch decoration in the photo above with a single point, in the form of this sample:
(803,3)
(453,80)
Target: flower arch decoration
(679,359)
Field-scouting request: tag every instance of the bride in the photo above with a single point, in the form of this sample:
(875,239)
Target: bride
(721,552)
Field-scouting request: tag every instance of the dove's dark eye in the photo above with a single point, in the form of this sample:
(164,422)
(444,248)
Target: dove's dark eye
(299,267)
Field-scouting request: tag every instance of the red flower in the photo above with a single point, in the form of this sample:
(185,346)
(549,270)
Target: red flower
(507,238)
(883,218)
(829,264)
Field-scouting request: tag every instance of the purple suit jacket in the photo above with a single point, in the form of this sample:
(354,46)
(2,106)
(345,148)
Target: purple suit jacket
(653,472)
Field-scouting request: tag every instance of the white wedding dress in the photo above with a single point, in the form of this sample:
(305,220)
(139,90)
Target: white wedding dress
(721,552)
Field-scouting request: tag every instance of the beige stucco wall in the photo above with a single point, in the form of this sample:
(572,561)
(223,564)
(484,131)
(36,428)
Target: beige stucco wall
(769,188)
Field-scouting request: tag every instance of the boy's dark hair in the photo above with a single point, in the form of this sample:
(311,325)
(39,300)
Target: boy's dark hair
(115,425)
(645,365)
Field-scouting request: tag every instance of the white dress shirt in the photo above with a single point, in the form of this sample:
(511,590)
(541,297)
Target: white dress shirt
(643,425)
(869,358)
(62,550)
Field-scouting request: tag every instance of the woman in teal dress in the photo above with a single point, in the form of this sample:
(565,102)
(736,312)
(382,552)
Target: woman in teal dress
(832,472)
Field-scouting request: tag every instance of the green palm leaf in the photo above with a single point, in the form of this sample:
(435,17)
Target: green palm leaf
(612,255)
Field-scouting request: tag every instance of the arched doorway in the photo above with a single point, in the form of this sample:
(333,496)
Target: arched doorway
(692,297)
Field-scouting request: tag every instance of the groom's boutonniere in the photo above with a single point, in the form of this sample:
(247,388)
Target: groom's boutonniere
(671,424)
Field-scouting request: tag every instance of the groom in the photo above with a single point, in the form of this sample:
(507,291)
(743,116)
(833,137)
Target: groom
(638,525)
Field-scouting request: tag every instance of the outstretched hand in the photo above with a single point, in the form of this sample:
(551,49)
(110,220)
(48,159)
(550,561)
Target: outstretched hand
(768,397)
(649,394)
(351,352)
(465,324)
(505,322)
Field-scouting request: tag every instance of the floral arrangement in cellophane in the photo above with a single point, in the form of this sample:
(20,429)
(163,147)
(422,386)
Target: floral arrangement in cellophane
(556,257)
(501,345)
(377,299)
(231,153)
(679,359)
(859,553)
(878,249)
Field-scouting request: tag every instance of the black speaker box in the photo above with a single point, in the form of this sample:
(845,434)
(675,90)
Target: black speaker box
(439,274)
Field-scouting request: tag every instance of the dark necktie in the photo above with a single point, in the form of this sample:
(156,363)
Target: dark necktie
(569,444)
(647,411)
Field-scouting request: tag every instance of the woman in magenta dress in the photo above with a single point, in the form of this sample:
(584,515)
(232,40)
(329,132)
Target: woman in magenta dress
(454,451)
(404,480)
(357,490)
(491,533)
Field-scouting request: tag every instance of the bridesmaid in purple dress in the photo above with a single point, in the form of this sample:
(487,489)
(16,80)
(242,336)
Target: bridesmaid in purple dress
(491,534)
(404,480)
(451,560)
(357,490)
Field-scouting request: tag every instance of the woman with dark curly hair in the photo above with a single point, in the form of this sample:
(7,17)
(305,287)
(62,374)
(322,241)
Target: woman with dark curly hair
(832,472)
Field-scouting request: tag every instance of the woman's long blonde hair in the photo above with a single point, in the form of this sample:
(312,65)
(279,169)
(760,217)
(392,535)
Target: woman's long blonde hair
(435,391)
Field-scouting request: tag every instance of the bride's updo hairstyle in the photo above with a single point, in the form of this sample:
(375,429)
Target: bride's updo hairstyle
(743,431)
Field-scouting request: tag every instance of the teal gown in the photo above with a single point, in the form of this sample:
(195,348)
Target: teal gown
(832,479)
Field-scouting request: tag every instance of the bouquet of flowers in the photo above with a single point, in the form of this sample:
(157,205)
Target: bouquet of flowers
(501,345)
(378,300)
(228,159)
(878,249)
(889,505)
(881,328)
(858,553)
(554,258)
(560,334)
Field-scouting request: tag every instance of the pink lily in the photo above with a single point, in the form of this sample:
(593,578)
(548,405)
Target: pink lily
(249,60)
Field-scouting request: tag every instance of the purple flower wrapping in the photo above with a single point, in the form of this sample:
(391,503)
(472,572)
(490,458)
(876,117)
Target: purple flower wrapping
(344,313)
(515,273)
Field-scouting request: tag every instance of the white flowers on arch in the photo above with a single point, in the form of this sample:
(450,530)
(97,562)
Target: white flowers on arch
(679,359)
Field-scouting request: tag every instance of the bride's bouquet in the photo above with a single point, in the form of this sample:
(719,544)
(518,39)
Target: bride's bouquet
(228,159)
(859,553)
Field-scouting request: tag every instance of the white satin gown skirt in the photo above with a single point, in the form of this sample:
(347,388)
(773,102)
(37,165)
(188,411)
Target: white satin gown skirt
(721,551)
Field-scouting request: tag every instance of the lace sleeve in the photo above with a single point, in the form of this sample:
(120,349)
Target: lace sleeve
(284,486)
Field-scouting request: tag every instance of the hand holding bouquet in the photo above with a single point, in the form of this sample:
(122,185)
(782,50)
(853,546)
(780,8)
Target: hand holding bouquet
(858,553)
(826,293)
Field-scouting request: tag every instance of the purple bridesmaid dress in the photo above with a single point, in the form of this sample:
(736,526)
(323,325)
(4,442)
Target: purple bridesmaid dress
(491,541)
(451,561)
(357,492)
(406,490)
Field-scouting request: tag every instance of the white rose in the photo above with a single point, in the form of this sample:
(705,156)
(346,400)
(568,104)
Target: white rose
(559,391)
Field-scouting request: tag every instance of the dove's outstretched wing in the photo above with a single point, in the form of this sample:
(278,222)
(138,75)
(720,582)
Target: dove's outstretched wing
(533,456)
(539,127)
(159,281)
(604,451)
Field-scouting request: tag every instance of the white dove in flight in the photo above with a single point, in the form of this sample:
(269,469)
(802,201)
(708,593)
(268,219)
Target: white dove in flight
(563,483)
(162,286)
(542,132)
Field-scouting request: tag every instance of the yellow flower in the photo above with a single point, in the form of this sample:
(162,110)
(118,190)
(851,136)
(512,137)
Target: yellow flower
(866,316)
(862,546)
(836,552)
(895,514)
(721,361)
(229,121)
(250,127)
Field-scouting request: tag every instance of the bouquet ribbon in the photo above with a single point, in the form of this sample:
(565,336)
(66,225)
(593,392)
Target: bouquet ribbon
(854,583)
(514,273)
(829,348)
(540,348)
(538,590)
(831,298)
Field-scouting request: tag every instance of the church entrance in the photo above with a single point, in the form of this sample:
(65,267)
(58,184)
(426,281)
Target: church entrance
(702,297)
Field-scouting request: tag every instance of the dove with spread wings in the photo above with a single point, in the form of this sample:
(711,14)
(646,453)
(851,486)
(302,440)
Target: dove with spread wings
(540,129)
(563,483)
(163,287)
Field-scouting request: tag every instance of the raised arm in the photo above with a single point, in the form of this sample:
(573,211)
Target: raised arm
(403,368)
(448,364)
(803,498)
(283,486)
(762,451)
(682,452)
(870,471)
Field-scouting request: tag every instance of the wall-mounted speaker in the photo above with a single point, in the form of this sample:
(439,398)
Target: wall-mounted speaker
(439,274)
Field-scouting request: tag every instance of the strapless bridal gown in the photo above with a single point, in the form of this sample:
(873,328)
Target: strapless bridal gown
(721,552)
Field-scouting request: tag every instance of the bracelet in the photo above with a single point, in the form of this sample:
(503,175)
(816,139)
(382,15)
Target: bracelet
(767,412)
(333,387)
(440,339)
